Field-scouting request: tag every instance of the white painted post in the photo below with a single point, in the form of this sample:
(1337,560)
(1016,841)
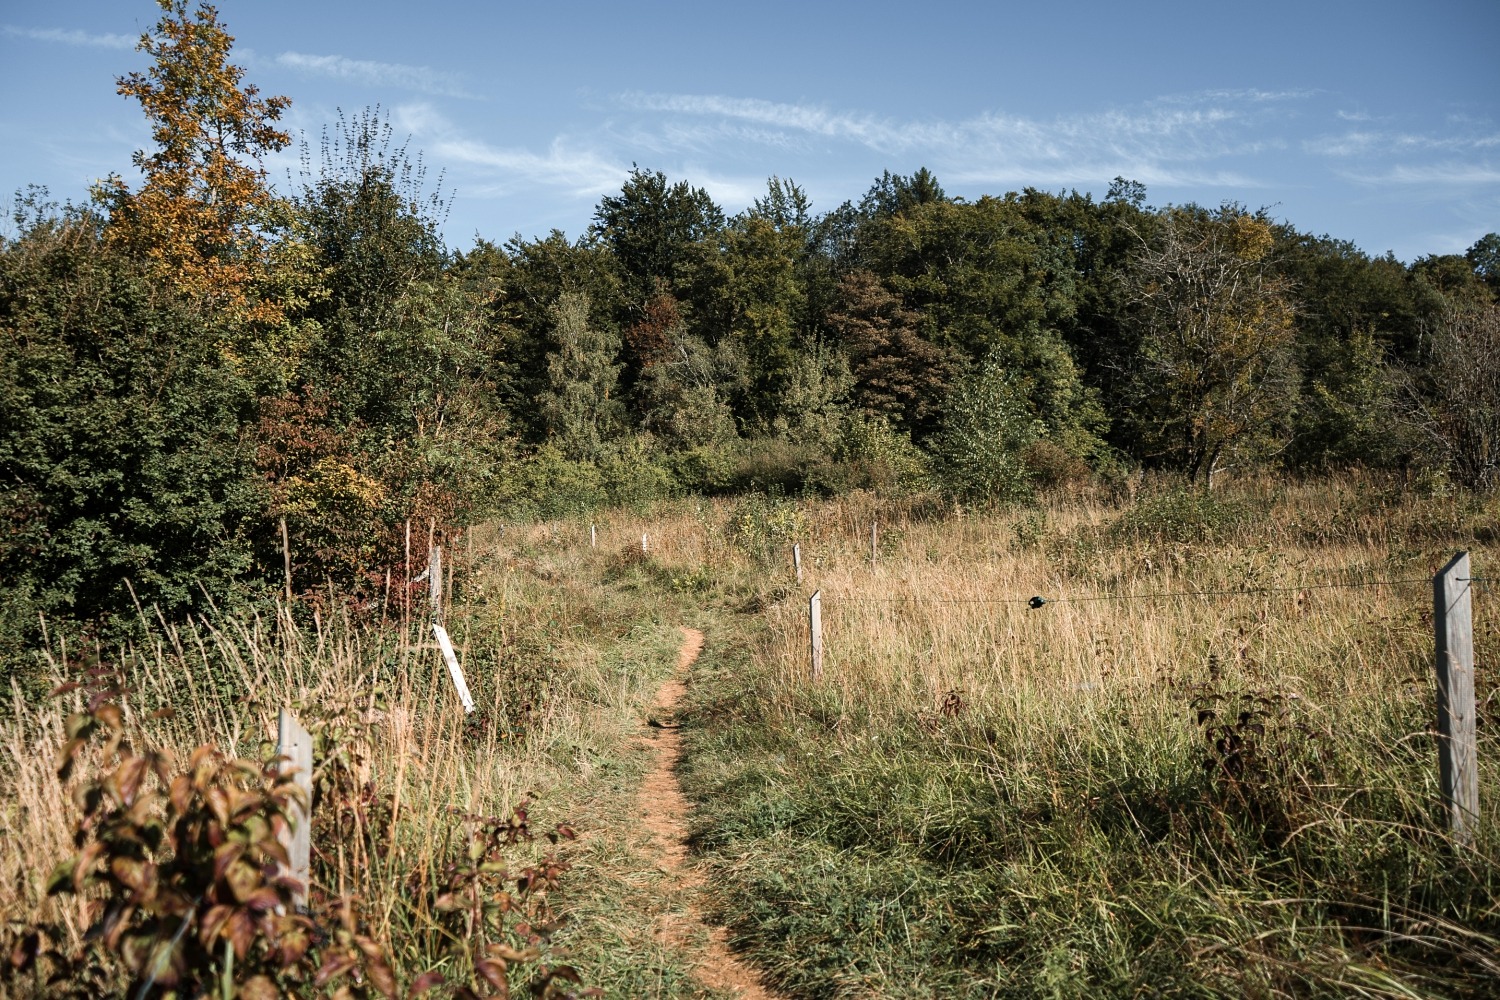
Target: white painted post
(435,580)
(295,744)
(644,548)
(593,537)
(797,561)
(874,541)
(454,670)
(1458,758)
(815,616)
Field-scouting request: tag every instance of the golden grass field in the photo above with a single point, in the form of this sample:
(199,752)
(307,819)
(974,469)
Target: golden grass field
(956,733)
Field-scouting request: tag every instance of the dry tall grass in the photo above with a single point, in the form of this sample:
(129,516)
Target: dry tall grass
(561,669)
(1044,782)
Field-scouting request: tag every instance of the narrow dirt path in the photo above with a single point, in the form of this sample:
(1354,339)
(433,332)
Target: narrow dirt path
(664,812)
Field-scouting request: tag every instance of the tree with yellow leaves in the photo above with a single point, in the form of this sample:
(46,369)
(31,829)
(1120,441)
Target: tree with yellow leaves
(198,220)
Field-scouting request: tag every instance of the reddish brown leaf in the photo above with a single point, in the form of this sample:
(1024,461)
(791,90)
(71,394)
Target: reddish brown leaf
(493,970)
(381,977)
(212,922)
(226,855)
(335,964)
(218,804)
(181,793)
(132,873)
(241,932)
(263,899)
(425,982)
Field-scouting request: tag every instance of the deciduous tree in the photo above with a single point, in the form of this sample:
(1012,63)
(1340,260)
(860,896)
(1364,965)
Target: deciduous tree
(1214,373)
(199,214)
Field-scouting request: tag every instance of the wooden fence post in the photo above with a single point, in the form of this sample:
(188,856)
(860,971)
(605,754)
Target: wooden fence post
(797,562)
(435,581)
(1458,759)
(406,583)
(286,556)
(874,541)
(644,548)
(815,615)
(593,537)
(454,670)
(295,744)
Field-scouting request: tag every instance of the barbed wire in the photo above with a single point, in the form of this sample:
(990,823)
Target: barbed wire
(1037,601)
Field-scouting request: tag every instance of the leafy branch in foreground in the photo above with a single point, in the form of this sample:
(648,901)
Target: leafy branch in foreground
(185,883)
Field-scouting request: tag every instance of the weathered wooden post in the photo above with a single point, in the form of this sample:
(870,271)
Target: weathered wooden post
(406,584)
(797,562)
(286,556)
(874,541)
(815,616)
(593,537)
(645,549)
(454,670)
(295,744)
(435,581)
(1458,758)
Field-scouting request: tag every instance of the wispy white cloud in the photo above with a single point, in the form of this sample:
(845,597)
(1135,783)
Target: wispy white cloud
(73,37)
(422,79)
(1432,175)
(1362,142)
(1156,142)
(575,168)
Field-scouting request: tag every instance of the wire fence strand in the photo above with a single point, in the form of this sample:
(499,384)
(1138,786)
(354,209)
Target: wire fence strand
(1038,601)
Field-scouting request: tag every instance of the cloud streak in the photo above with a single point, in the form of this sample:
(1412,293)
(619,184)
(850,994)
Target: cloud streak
(422,79)
(73,37)
(576,169)
(1173,141)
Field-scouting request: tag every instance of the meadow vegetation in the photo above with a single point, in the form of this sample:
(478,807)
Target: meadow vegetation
(1229,789)
(1134,698)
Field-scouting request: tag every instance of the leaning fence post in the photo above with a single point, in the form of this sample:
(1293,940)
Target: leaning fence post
(815,614)
(454,670)
(797,562)
(295,744)
(1458,759)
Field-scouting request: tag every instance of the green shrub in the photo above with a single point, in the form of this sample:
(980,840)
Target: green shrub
(1182,515)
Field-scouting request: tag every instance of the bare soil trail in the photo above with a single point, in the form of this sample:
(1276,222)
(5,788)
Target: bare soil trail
(664,814)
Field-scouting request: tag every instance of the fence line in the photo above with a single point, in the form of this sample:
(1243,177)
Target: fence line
(1038,601)
(1453,642)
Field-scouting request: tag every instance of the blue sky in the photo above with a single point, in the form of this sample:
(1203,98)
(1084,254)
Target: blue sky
(1376,122)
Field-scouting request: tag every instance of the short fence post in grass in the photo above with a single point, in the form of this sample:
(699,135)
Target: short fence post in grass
(645,548)
(406,586)
(295,744)
(454,670)
(593,537)
(815,615)
(435,581)
(1458,758)
(797,562)
(286,556)
(874,541)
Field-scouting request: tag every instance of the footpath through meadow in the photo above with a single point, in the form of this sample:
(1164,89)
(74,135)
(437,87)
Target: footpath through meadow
(664,812)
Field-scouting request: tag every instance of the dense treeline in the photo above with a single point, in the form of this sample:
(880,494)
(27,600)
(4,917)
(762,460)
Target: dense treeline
(190,362)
